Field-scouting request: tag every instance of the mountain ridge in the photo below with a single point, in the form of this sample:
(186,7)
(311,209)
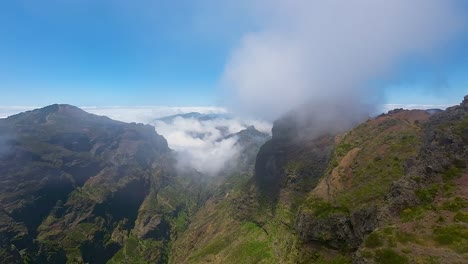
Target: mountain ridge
(103,191)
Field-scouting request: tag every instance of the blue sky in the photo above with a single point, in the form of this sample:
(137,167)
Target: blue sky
(117,52)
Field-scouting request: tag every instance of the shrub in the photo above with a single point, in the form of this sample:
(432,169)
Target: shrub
(426,196)
(389,256)
(455,205)
(373,241)
(461,217)
(410,214)
(454,235)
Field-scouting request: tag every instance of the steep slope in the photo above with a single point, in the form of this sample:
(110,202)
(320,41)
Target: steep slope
(391,190)
(250,218)
(78,187)
(397,184)
(248,142)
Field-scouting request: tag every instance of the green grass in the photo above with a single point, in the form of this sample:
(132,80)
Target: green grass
(136,251)
(405,237)
(389,256)
(427,195)
(451,173)
(454,236)
(379,163)
(389,236)
(251,252)
(181,222)
(413,213)
(333,260)
(215,247)
(455,204)
(461,217)
(373,241)
(322,209)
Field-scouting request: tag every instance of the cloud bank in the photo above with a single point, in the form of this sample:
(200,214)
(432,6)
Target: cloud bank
(147,114)
(308,52)
(203,144)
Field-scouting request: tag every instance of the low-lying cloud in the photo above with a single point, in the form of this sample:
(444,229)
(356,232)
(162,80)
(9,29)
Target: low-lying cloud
(326,53)
(203,144)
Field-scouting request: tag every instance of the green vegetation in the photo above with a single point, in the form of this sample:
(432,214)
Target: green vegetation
(455,204)
(454,236)
(213,248)
(322,209)
(461,217)
(251,252)
(389,236)
(413,213)
(384,149)
(427,195)
(138,251)
(389,256)
(373,240)
(452,173)
(333,260)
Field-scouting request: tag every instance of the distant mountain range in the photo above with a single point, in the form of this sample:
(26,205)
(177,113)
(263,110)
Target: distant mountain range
(195,115)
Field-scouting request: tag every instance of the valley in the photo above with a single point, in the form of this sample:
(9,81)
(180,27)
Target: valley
(81,188)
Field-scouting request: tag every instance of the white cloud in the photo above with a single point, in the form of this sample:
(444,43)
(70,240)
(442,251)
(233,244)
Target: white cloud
(324,53)
(146,114)
(6,111)
(200,144)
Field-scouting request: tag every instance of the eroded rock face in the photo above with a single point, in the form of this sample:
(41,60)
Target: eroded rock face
(337,231)
(445,145)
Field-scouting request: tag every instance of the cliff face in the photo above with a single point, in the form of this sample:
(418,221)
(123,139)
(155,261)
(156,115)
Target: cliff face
(291,160)
(76,186)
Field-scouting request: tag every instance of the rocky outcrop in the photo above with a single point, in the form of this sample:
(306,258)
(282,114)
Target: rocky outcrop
(338,231)
(445,146)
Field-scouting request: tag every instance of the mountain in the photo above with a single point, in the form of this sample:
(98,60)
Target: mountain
(390,190)
(248,141)
(193,115)
(79,188)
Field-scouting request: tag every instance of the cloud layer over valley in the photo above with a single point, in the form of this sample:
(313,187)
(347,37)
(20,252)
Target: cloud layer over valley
(204,144)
